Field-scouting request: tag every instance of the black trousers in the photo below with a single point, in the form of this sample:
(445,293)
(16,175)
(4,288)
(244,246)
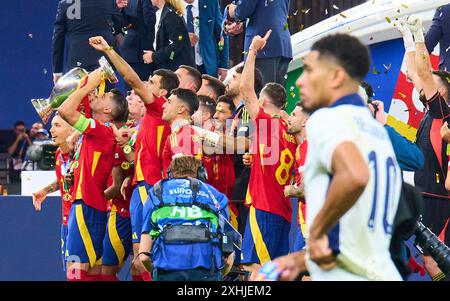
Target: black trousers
(273,69)
(436,213)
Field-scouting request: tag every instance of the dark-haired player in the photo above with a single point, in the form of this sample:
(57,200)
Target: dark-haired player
(94,162)
(267,232)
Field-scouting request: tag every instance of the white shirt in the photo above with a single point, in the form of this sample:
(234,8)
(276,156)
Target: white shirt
(363,235)
(195,14)
(158,19)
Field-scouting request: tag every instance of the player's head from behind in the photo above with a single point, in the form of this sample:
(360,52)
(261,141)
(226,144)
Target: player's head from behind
(442,79)
(211,87)
(181,104)
(184,166)
(60,130)
(206,110)
(333,69)
(224,109)
(232,88)
(111,106)
(297,120)
(162,82)
(189,77)
(136,106)
(273,95)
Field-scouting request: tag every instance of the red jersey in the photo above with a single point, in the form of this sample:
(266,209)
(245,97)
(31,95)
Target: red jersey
(62,165)
(152,134)
(122,206)
(300,158)
(183,140)
(272,166)
(94,164)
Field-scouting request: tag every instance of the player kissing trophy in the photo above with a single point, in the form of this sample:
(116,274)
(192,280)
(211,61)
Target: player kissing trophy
(69,83)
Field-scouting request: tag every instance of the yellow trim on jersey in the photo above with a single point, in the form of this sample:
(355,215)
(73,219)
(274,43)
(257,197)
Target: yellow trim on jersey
(139,173)
(233,218)
(143,194)
(160,130)
(85,236)
(248,197)
(114,237)
(79,195)
(260,245)
(301,220)
(95,162)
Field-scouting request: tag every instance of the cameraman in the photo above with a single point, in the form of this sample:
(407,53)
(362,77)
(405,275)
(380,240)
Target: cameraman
(181,221)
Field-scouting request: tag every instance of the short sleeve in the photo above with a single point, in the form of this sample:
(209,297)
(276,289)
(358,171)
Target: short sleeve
(97,129)
(326,129)
(155,109)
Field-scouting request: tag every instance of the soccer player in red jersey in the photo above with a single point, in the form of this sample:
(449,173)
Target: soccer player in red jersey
(184,139)
(60,131)
(268,224)
(219,166)
(296,126)
(92,168)
(151,136)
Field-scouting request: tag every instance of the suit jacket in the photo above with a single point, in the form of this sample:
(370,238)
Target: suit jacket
(173,47)
(140,20)
(440,33)
(264,15)
(210,19)
(75,26)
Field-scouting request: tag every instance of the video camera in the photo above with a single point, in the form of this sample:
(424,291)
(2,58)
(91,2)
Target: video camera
(429,244)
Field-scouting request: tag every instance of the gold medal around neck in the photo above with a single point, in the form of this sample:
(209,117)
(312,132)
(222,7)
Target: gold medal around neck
(125,165)
(75,165)
(67,197)
(127,149)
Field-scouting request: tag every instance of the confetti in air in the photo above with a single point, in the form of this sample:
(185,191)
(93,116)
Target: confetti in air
(30,35)
(388,19)
(172,54)
(335,7)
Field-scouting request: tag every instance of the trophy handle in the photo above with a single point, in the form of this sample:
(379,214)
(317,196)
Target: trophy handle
(43,108)
(108,71)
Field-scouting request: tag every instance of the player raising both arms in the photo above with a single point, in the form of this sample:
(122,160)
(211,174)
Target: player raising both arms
(92,168)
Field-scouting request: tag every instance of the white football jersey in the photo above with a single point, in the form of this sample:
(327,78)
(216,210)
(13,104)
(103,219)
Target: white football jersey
(362,237)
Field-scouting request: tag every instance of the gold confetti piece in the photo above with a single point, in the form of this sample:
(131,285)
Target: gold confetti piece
(342,15)
(292,94)
(244,52)
(180,38)
(303,26)
(306,11)
(172,54)
(375,71)
(388,19)
(404,5)
(402,95)
(285,26)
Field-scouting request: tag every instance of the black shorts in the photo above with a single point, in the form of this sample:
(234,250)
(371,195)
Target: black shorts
(436,213)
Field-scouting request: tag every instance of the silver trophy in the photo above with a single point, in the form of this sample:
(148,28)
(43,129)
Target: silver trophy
(65,86)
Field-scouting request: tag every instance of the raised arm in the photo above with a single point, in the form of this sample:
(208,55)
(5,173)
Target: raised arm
(247,86)
(410,52)
(125,70)
(69,109)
